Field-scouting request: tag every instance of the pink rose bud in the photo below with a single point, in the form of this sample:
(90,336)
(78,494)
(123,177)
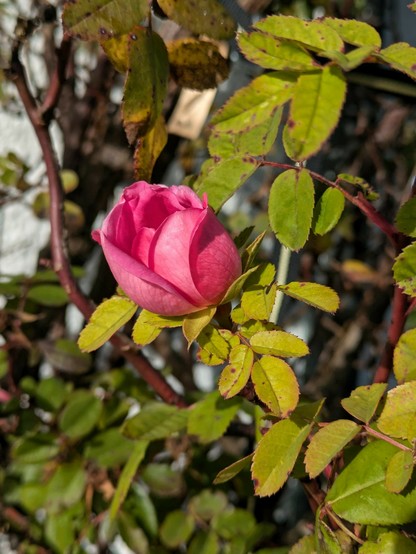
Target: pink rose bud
(167,250)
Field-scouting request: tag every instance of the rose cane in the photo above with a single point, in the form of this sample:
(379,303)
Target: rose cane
(167,250)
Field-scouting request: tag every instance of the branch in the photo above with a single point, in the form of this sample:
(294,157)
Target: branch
(60,259)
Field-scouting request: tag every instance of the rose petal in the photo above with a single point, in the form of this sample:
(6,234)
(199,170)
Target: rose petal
(169,252)
(143,286)
(214,260)
(141,245)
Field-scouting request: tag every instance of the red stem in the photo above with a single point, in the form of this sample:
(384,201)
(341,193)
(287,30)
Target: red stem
(60,260)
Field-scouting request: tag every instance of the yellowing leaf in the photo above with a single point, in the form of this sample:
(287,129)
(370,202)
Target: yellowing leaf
(314,111)
(354,32)
(318,296)
(399,471)
(214,348)
(117,51)
(146,82)
(194,323)
(404,270)
(148,149)
(315,34)
(276,455)
(257,302)
(400,56)
(271,53)
(398,418)
(352,59)
(358,271)
(404,358)
(98,19)
(328,210)
(278,343)
(235,375)
(106,320)
(291,204)
(207,17)
(326,444)
(363,401)
(276,385)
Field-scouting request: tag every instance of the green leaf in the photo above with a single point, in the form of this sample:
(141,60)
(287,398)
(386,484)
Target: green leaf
(232,470)
(220,179)
(406,218)
(162,480)
(326,444)
(250,253)
(66,486)
(155,421)
(359,494)
(146,83)
(404,359)
(80,415)
(268,52)
(144,333)
(65,355)
(108,449)
(59,532)
(257,302)
(306,545)
(328,210)
(214,347)
(69,179)
(276,385)
(176,529)
(127,476)
(392,542)
(194,323)
(235,375)
(363,401)
(51,394)
(326,539)
(352,59)
(398,418)
(117,51)
(36,449)
(354,32)
(132,535)
(291,204)
(399,471)
(318,296)
(278,343)
(359,183)
(314,112)
(210,417)
(400,56)
(52,296)
(204,543)
(315,35)
(205,505)
(276,455)
(208,17)
(98,19)
(106,320)
(264,276)
(148,149)
(404,270)
(234,523)
(235,288)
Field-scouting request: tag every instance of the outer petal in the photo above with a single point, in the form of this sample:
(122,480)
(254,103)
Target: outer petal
(214,260)
(169,252)
(143,286)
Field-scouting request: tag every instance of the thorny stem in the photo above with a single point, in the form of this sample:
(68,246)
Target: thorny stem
(60,259)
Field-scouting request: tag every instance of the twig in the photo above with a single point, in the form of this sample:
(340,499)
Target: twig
(57,80)
(60,259)
(386,438)
(282,272)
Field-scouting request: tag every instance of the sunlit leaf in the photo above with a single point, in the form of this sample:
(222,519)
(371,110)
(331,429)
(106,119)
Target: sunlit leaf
(354,32)
(257,302)
(318,296)
(363,401)
(235,375)
(404,358)
(278,343)
(398,418)
(406,218)
(194,323)
(232,470)
(400,56)
(391,542)
(148,149)
(328,210)
(404,270)
(399,471)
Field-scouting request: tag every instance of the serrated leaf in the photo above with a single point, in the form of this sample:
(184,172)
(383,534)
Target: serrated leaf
(257,302)
(215,348)
(354,32)
(196,64)
(326,444)
(400,56)
(359,494)
(352,59)
(404,357)
(392,542)
(155,421)
(263,276)
(276,455)
(363,401)
(146,82)
(251,251)
(271,53)
(399,471)
(98,19)
(315,34)
(278,343)
(232,470)
(318,296)
(106,320)
(208,17)
(235,375)
(276,385)
(235,288)
(328,210)
(148,149)
(306,545)
(406,218)
(210,417)
(314,112)
(249,327)
(127,476)
(404,270)
(144,333)
(220,179)
(398,418)
(291,204)
(194,323)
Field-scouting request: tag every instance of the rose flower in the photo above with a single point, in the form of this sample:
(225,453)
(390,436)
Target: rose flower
(167,250)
